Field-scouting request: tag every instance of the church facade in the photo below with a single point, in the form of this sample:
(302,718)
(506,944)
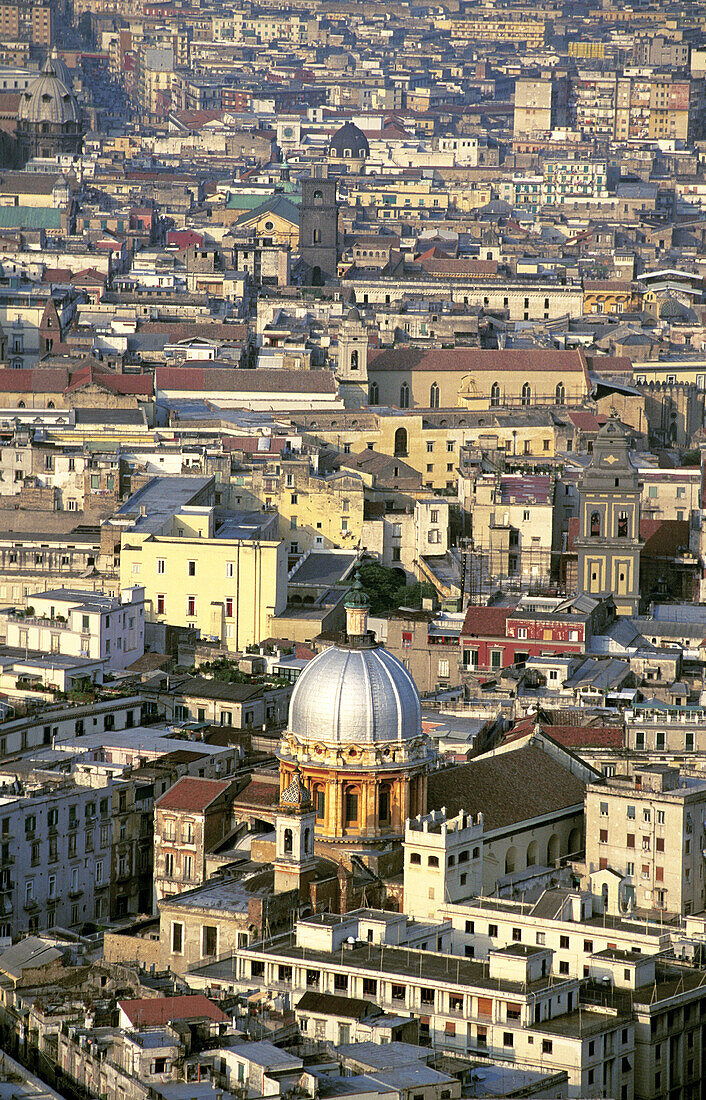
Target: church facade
(609,544)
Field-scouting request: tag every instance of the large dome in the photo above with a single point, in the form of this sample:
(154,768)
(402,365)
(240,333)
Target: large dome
(355,696)
(47,99)
(349,141)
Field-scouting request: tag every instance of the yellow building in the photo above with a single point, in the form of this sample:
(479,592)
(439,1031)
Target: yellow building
(491,28)
(393,198)
(431,443)
(277,219)
(226,581)
(471,378)
(610,296)
(313,510)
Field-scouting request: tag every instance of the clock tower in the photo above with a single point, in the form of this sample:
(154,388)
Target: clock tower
(609,541)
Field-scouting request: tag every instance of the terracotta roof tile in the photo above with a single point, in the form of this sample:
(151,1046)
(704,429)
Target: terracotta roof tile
(477,359)
(258,794)
(585,737)
(508,788)
(486,621)
(192,794)
(212,380)
(158,1011)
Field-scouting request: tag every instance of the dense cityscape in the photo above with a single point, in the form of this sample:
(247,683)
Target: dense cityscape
(352,550)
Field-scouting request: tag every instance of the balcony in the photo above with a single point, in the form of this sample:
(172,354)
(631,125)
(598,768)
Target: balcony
(75,891)
(31,904)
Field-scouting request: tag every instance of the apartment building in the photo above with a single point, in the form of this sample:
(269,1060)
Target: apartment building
(509,1007)
(314,509)
(403,535)
(66,623)
(225,574)
(655,726)
(647,824)
(189,820)
(574,924)
(515,524)
(55,852)
(568,181)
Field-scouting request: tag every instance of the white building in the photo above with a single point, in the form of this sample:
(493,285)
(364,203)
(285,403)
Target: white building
(55,853)
(67,622)
(443,861)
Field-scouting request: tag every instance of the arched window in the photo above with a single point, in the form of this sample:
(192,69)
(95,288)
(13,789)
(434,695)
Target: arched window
(20,405)
(400,443)
(384,804)
(351,806)
(494,395)
(354,360)
(622,525)
(288,842)
(553,849)
(318,198)
(404,396)
(510,860)
(560,393)
(51,405)
(374,394)
(320,802)
(307,842)
(595,524)
(434,396)
(532,853)
(526,394)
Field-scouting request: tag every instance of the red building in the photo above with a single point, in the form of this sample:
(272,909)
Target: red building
(493,638)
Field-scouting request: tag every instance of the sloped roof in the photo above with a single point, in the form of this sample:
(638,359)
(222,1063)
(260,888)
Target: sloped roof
(477,360)
(158,1011)
(278,206)
(585,737)
(486,621)
(215,379)
(30,217)
(512,787)
(190,794)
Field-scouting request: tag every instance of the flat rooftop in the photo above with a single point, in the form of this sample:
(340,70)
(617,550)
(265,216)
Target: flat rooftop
(411,963)
(158,500)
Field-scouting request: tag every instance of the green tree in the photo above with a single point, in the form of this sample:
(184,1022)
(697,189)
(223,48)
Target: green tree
(387,592)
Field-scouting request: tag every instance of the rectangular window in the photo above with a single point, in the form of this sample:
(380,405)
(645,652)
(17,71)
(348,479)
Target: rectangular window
(161,565)
(190,606)
(229,607)
(210,939)
(177,938)
(191,568)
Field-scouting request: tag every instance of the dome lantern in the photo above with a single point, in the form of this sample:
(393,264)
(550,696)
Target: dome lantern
(357,606)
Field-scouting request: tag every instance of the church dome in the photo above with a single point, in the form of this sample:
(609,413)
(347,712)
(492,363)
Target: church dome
(349,143)
(48,99)
(61,69)
(355,696)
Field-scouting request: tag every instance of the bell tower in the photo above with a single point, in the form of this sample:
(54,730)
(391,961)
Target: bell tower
(609,541)
(295,862)
(318,229)
(353,350)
